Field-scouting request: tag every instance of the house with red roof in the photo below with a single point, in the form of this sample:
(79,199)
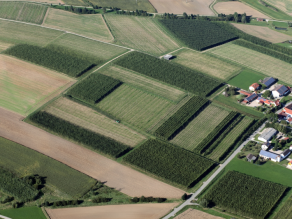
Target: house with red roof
(254,87)
(288,109)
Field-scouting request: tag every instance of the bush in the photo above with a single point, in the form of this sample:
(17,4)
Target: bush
(184,197)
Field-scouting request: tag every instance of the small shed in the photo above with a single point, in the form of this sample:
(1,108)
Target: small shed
(260,19)
(251,158)
(167,57)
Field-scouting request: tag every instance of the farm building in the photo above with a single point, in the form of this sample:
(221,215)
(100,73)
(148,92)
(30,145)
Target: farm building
(280,91)
(254,86)
(245,93)
(285,153)
(265,101)
(269,81)
(270,156)
(267,134)
(167,57)
(250,98)
(266,146)
(251,158)
(260,19)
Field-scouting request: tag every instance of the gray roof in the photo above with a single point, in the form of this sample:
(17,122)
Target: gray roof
(167,56)
(250,157)
(268,133)
(251,97)
(281,89)
(286,152)
(269,81)
(269,154)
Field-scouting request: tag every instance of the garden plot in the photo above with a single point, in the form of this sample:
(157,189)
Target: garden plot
(90,119)
(92,26)
(263,33)
(140,33)
(255,60)
(136,107)
(198,129)
(24,85)
(144,83)
(207,64)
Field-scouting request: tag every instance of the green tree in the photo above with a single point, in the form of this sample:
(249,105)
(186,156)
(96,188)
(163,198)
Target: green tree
(243,18)
(235,17)
(184,196)
(103,10)
(267,94)
(204,203)
(185,15)
(276,146)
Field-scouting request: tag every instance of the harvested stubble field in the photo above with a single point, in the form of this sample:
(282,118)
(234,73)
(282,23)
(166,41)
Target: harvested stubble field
(144,83)
(13,32)
(140,33)
(200,7)
(88,47)
(90,119)
(255,60)
(198,129)
(195,214)
(229,139)
(141,211)
(4,46)
(284,5)
(24,85)
(135,106)
(92,26)
(240,8)
(26,12)
(118,176)
(263,33)
(207,64)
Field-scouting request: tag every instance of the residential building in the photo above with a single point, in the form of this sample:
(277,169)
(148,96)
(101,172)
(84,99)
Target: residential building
(245,93)
(266,101)
(251,158)
(285,153)
(288,109)
(269,81)
(254,87)
(280,91)
(267,134)
(270,156)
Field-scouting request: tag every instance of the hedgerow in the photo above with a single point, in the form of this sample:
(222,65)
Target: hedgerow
(179,76)
(68,64)
(206,143)
(245,195)
(93,140)
(177,120)
(94,88)
(12,185)
(198,34)
(169,162)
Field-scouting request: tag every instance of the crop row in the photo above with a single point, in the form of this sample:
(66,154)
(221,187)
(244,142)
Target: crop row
(93,140)
(179,76)
(183,115)
(169,162)
(12,185)
(94,88)
(68,64)
(216,132)
(198,34)
(285,212)
(245,195)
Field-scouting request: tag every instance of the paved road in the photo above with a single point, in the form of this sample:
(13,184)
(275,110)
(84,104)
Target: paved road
(205,184)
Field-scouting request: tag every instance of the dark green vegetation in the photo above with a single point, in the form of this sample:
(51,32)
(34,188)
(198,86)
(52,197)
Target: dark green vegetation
(173,74)
(91,139)
(245,78)
(24,213)
(182,116)
(216,132)
(245,195)
(94,88)
(12,185)
(68,64)
(24,161)
(198,34)
(169,162)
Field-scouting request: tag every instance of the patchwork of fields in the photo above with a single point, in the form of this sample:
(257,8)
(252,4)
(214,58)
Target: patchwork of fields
(140,33)
(284,5)
(94,121)
(92,26)
(255,60)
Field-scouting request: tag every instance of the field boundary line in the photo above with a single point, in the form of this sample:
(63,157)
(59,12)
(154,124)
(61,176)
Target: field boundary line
(45,213)
(45,17)
(54,39)
(19,13)
(212,9)
(172,51)
(107,27)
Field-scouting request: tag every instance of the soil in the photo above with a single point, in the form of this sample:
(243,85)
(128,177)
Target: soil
(194,214)
(114,174)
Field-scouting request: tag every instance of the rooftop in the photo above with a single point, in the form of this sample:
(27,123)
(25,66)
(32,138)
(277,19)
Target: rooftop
(251,97)
(255,85)
(250,157)
(281,89)
(167,56)
(245,93)
(269,81)
(268,133)
(286,152)
(269,154)
(289,106)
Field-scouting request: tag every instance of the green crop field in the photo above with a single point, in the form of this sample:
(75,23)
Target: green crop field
(206,64)
(135,106)
(25,161)
(140,33)
(280,24)
(88,47)
(284,5)
(92,26)
(24,213)
(143,82)
(197,130)
(26,12)
(75,2)
(257,61)
(245,79)
(229,139)
(12,32)
(90,119)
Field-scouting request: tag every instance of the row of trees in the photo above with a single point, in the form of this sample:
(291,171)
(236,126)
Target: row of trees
(147,199)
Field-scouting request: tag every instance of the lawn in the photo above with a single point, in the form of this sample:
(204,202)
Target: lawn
(135,106)
(24,213)
(245,78)
(143,82)
(280,24)
(92,26)
(140,33)
(205,63)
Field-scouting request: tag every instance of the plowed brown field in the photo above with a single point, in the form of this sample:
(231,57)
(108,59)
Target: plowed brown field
(135,211)
(122,178)
(195,214)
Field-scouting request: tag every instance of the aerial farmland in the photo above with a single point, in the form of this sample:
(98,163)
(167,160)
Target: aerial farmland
(145,109)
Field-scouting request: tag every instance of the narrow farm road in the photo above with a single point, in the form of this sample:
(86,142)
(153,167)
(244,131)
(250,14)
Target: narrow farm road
(205,184)
(1,216)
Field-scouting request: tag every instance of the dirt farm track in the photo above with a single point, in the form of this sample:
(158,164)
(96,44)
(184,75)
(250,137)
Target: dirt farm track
(122,178)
